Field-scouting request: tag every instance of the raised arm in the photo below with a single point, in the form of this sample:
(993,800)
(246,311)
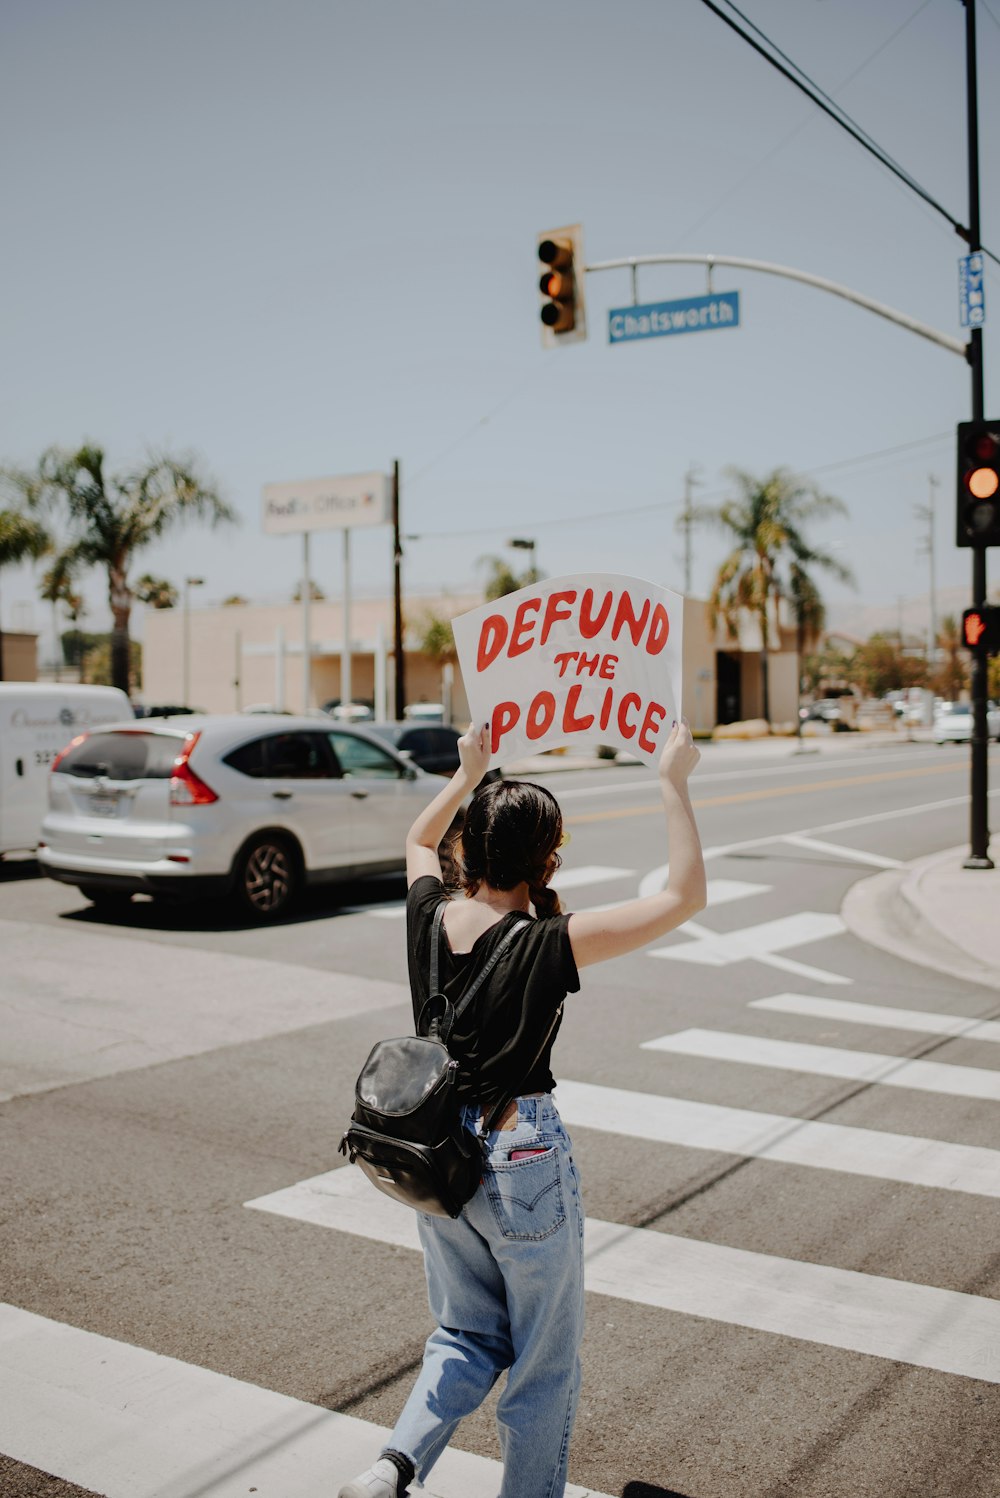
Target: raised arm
(597,935)
(424,837)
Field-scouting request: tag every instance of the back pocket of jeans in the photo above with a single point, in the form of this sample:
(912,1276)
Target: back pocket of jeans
(526,1196)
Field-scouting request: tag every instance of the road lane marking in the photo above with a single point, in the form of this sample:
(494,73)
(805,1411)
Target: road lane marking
(129,1423)
(881,1014)
(854,855)
(906,1158)
(591,873)
(79,1004)
(906,1323)
(761,943)
(828,1061)
(767,794)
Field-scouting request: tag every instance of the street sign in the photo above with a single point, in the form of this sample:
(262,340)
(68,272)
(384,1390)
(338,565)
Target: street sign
(693,314)
(340,503)
(971,296)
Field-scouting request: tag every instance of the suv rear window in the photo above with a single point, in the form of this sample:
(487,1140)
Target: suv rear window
(124,755)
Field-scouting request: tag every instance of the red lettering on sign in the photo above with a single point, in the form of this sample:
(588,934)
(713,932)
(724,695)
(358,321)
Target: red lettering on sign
(540,715)
(492,638)
(609,698)
(589,625)
(553,612)
(659,629)
(655,715)
(571,723)
(563,659)
(607,670)
(625,728)
(504,717)
(626,616)
(523,624)
(588,663)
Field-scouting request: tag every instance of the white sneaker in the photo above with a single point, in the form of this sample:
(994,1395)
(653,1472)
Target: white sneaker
(380,1481)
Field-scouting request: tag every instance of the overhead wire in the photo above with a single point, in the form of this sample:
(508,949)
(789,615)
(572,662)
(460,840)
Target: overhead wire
(840,116)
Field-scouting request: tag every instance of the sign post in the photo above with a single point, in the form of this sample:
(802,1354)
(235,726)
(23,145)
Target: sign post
(338,503)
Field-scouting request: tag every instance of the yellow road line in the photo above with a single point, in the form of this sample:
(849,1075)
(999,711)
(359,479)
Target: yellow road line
(765,795)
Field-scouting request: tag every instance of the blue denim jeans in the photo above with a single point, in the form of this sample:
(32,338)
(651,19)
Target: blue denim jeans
(505,1285)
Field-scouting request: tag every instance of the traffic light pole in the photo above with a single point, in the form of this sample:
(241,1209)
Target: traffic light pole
(979,821)
(398,654)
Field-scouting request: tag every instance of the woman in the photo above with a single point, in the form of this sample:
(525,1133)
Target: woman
(505,1279)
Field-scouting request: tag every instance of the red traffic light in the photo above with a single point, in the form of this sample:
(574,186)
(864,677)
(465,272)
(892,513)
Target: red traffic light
(978,484)
(973,628)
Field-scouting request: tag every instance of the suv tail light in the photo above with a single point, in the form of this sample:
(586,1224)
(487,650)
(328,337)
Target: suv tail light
(63,752)
(187,788)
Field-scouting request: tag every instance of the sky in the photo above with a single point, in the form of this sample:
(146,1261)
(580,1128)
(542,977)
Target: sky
(298,239)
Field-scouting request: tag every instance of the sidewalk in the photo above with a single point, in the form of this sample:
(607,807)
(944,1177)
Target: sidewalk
(935,913)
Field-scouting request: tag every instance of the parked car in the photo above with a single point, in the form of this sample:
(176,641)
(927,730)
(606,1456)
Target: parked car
(37,721)
(209,806)
(953,722)
(432,746)
(826,710)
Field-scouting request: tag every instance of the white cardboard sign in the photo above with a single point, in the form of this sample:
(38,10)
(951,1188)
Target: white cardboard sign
(593,658)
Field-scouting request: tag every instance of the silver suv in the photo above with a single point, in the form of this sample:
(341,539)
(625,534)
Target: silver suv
(255,806)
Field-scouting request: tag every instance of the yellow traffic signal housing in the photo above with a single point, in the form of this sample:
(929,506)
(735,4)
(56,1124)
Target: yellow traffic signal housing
(562,311)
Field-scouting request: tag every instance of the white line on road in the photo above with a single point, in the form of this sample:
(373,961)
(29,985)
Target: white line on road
(772,1136)
(591,873)
(887,1318)
(881,1014)
(827,1061)
(854,855)
(132,1424)
(760,942)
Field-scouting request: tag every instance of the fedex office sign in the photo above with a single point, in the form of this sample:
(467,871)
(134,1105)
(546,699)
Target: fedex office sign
(588,659)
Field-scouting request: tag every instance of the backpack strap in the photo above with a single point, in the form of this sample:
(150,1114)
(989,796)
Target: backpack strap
(442,1023)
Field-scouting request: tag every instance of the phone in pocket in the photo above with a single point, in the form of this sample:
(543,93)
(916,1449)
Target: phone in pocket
(526,1154)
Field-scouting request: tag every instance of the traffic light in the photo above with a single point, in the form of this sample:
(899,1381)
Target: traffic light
(978,483)
(562,311)
(981,629)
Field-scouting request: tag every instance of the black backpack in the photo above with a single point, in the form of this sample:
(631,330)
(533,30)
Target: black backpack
(405,1132)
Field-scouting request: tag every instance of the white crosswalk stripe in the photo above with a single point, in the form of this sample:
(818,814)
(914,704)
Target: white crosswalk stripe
(882,1015)
(129,1423)
(773,1136)
(829,1061)
(761,943)
(887,1318)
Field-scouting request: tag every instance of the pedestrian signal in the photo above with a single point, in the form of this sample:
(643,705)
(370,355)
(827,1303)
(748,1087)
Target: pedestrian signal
(981,629)
(978,483)
(562,312)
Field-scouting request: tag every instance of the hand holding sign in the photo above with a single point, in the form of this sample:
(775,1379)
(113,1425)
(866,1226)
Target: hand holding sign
(590,659)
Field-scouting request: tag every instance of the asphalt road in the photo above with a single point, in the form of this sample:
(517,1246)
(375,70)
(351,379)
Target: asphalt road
(773,1309)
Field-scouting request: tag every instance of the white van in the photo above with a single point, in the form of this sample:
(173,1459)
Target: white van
(37,721)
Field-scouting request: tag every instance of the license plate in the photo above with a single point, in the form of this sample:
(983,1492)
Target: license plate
(104,805)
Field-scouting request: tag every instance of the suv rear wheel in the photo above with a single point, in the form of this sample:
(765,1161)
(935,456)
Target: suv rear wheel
(267,876)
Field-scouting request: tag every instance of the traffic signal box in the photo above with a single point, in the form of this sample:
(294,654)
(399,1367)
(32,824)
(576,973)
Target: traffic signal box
(978,514)
(981,629)
(562,310)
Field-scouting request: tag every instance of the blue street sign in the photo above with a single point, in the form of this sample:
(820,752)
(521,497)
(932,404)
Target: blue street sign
(971,296)
(693,314)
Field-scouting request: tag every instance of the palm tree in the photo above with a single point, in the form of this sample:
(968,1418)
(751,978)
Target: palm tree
(156,591)
(502,579)
(114,516)
(21,537)
(767,520)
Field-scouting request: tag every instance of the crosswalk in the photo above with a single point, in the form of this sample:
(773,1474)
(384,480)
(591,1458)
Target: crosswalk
(185,1430)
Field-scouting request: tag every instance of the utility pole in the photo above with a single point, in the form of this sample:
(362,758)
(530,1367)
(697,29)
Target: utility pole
(926,512)
(979,818)
(685,524)
(398,656)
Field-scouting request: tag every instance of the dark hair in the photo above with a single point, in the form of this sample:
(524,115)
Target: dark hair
(512,832)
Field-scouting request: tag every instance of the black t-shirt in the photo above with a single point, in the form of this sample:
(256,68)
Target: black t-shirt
(502,1031)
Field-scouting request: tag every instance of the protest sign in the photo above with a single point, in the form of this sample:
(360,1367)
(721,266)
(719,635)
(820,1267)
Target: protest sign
(587,659)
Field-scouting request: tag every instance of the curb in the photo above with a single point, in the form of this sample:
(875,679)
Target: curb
(887,911)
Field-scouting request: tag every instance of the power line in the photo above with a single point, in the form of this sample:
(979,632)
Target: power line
(840,117)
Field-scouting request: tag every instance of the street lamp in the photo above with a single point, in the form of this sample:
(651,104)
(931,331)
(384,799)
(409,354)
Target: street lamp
(189,583)
(524,543)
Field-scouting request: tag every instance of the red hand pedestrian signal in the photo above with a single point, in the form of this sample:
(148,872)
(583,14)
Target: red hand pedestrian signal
(974,629)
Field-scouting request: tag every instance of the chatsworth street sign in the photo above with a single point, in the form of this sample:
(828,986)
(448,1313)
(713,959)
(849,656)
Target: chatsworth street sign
(693,314)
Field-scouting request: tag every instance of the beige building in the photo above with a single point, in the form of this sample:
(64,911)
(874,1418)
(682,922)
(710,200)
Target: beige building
(19,656)
(225,659)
